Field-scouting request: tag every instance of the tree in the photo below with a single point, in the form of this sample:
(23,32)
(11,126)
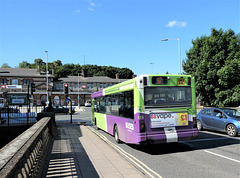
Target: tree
(24,64)
(75,69)
(214,62)
(5,65)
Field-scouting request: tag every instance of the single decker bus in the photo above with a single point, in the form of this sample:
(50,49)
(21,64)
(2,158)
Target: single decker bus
(148,109)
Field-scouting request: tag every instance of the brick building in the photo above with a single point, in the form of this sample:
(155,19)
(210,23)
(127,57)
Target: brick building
(16,80)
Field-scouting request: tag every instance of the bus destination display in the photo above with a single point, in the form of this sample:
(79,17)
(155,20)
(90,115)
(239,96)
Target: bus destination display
(159,80)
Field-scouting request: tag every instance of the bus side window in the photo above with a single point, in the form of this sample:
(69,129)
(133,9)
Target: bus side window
(115,105)
(127,108)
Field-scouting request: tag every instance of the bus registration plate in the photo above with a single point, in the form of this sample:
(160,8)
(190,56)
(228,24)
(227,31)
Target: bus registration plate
(168,119)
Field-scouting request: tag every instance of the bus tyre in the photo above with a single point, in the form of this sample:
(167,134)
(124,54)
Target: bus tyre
(231,130)
(199,125)
(116,135)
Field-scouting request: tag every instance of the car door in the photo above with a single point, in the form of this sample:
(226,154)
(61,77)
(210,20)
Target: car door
(218,121)
(206,117)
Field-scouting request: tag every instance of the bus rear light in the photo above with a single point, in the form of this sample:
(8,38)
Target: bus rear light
(142,125)
(194,122)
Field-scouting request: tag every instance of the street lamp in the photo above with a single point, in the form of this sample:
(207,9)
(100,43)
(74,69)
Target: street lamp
(47,74)
(178,50)
(78,93)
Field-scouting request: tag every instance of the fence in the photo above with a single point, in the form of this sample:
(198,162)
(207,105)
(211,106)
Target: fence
(17,116)
(25,155)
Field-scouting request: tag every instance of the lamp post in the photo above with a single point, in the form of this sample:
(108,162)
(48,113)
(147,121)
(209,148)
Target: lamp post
(47,74)
(178,51)
(78,93)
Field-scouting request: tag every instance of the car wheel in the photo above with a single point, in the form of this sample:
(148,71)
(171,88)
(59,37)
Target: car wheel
(199,125)
(231,130)
(116,135)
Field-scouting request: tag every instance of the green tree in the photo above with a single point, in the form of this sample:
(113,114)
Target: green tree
(75,69)
(5,65)
(214,62)
(24,64)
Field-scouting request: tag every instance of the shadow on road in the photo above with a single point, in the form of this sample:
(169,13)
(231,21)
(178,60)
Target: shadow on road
(206,140)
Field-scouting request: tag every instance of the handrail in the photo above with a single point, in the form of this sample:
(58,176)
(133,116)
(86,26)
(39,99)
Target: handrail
(25,155)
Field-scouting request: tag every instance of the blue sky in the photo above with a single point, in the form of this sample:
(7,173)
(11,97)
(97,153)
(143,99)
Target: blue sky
(120,33)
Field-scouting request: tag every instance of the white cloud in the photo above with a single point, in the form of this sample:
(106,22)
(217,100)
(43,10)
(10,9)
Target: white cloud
(91,3)
(176,23)
(90,9)
(77,11)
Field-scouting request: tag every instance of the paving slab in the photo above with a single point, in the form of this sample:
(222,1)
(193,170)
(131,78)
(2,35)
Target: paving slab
(78,152)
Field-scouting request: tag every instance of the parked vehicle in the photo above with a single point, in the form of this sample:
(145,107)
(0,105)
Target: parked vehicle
(62,109)
(88,104)
(226,120)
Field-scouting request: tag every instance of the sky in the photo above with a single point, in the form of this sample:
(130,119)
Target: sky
(119,33)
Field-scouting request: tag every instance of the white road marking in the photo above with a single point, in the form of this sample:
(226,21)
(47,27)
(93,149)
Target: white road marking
(130,157)
(222,156)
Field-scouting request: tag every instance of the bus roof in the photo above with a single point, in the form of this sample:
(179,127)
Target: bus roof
(129,84)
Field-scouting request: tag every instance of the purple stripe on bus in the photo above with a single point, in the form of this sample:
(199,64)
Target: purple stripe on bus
(97,94)
(129,130)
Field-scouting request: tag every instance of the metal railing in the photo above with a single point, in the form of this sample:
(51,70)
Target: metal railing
(18,116)
(25,155)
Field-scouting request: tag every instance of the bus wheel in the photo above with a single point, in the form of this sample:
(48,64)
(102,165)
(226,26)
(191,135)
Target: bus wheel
(116,135)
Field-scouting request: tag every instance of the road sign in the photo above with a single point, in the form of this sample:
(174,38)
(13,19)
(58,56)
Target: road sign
(12,86)
(17,99)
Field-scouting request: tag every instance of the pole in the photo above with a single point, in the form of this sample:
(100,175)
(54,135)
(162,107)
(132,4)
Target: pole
(47,74)
(78,93)
(71,111)
(179,51)
(179,55)
(28,104)
(151,68)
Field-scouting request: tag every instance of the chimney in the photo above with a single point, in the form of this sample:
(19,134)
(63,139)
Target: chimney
(83,72)
(117,76)
(38,67)
(53,69)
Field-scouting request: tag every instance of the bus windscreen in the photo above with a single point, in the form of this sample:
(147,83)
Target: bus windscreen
(157,96)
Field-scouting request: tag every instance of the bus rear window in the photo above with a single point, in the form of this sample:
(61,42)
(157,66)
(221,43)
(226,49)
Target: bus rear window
(158,96)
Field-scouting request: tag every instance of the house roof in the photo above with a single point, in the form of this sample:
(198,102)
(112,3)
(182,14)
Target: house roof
(22,72)
(99,79)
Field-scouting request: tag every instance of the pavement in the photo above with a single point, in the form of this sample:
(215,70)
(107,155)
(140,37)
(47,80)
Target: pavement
(78,152)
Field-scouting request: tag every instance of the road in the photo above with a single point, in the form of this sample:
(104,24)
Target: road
(212,154)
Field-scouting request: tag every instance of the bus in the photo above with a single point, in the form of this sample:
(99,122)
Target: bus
(148,109)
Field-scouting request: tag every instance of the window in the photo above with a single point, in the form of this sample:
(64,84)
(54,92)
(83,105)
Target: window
(157,96)
(3,81)
(120,104)
(75,85)
(207,112)
(14,81)
(27,81)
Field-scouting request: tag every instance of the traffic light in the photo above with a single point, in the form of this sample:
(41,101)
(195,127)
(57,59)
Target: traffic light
(33,88)
(66,89)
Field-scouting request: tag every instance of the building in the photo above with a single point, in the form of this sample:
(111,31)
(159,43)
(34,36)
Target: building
(16,81)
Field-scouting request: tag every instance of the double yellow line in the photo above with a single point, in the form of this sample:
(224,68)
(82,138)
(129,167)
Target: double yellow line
(138,164)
